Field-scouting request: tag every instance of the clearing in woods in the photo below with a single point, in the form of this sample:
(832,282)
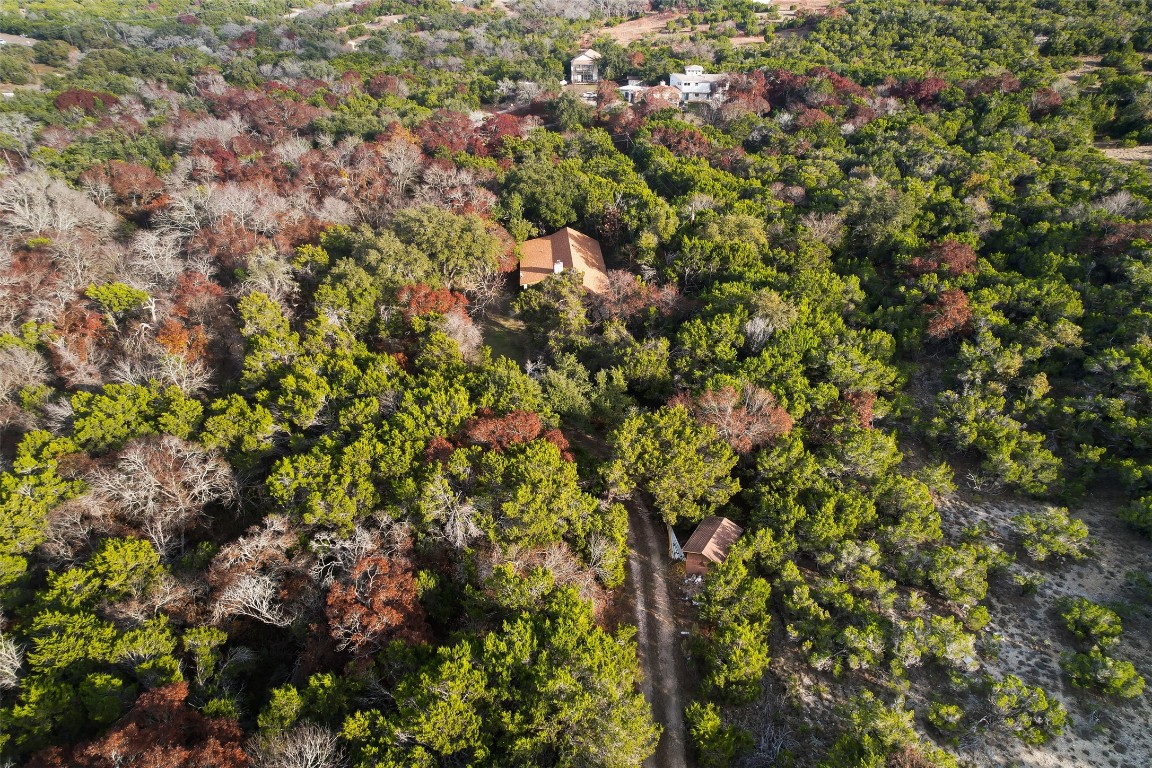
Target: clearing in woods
(1138,154)
(655,25)
(1102,732)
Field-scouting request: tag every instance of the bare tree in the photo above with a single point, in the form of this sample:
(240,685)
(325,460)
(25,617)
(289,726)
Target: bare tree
(11,657)
(254,595)
(34,202)
(271,274)
(337,555)
(222,130)
(147,361)
(155,259)
(69,532)
(454,514)
(20,367)
(828,228)
(770,736)
(20,129)
(263,546)
(305,746)
(162,485)
(458,327)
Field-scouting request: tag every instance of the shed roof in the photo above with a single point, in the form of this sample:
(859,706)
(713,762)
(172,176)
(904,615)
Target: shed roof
(713,538)
(575,250)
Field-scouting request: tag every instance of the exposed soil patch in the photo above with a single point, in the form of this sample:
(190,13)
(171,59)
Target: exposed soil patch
(654,26)
(637,29)
(1102,732)
(1087,64)
(1140,154)
(7,39)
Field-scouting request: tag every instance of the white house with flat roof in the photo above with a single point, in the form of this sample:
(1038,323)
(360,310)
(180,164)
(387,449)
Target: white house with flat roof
(697,85)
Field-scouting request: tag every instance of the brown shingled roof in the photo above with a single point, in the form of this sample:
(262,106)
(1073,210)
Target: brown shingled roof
(713,538)
(575,250)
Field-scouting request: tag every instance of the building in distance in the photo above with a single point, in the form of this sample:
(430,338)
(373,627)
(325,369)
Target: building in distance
(697,85)
(586,67)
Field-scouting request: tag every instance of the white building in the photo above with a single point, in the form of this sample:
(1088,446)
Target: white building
(586,67)
(697,85)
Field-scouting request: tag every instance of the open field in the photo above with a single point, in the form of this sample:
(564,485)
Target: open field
(373,26)
(654,25)
(650,25)
(805,6)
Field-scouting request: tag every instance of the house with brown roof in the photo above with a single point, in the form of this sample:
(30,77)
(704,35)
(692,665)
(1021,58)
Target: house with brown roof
(709,544)
(563,251)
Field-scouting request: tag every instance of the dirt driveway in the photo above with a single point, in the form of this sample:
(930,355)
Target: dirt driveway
(651,586)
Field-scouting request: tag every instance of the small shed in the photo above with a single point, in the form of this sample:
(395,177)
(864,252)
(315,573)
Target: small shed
(560,252)
(709,544)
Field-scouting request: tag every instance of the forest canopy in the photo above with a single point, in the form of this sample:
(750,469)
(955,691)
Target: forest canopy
(293,473)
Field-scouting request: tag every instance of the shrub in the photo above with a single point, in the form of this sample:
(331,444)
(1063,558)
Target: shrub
(1052,533)
(716,744)
(1104,673)
(1028,712)
(1138,514)
(1089,622)
(945,717)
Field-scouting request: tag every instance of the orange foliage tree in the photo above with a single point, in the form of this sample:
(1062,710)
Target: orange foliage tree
(161,731)
(375,604)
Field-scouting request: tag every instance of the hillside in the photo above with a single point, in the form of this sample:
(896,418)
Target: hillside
(299,469)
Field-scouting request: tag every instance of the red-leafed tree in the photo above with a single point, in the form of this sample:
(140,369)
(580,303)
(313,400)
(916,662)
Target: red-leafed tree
(862,404)
(745,419)
(445,130)
(923,91)
(806,117)
(556,437)
(784,87)
(88,102)
(132,183)
(498,432)
(624,123)
(747,94)
(843,86)
(161,731)
(627,298)
(227,242)
(1005,82)
(955,257)
(189,344)
(949,314)
(439,449)
(386,85)
(689,142)
(1045,101)
(489,136)
(420,299)
(374,604)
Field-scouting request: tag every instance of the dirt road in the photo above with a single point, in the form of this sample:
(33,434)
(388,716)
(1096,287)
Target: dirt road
(658,635)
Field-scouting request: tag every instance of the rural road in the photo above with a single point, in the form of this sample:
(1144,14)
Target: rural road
(657,635)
